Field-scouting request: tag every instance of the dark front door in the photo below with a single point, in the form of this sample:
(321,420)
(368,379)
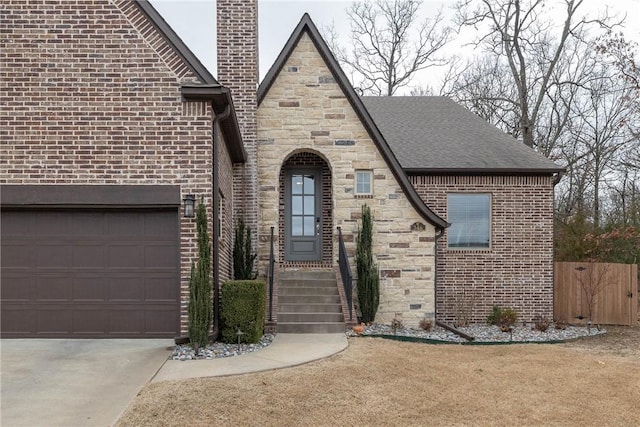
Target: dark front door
(303,228)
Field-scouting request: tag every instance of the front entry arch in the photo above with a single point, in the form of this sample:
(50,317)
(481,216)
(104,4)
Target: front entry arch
(306,212)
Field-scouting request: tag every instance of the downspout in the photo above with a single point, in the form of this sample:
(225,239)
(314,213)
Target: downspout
(216,202)
(439,234)
(556,180)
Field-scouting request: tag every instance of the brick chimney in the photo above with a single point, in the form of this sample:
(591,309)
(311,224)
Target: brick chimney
(237,51)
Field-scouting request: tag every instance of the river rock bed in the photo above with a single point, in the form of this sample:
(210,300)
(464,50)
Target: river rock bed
(486,333)
(219,349)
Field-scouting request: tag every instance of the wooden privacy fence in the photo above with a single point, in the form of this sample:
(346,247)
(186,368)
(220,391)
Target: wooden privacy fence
(610,291)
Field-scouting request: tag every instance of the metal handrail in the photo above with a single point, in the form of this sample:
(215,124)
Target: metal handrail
(272,263)
(345,272)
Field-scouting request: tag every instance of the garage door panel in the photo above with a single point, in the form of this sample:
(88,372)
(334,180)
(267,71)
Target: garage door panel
(53,288)
(17,288)
(88,256)
(127,322)
(51,223)
(15,225)
(159,255)
(124,256)
(18,322)
(123,289)
(89,289)
(87,273)
(90,322)
(128,224)
(156,225)
(158,289)
(16,255)
(160,322)
(85,224)
(53,321)
(53,255)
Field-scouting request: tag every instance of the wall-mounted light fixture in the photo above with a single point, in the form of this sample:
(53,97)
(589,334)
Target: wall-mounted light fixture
(189,206)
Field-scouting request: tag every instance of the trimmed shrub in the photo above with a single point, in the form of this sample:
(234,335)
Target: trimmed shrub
(200,307)
(368,284)
(242,306)
(243,255)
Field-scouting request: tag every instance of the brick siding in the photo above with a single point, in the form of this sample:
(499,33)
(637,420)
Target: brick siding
(90,94)
(237,53)
(517,270)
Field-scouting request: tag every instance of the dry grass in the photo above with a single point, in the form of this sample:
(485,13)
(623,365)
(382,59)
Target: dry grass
(377,382)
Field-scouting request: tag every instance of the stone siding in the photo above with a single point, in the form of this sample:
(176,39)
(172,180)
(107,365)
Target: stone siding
(517,270)
(305,111)
(90,94)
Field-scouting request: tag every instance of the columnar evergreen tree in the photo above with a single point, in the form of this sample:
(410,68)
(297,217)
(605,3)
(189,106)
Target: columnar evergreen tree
(368,280)
(243,255)
(200,304)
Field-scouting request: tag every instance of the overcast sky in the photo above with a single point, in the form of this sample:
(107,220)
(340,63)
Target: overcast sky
(195,22)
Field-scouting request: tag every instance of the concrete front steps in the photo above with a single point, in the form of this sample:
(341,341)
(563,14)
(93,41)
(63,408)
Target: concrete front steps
(309,303)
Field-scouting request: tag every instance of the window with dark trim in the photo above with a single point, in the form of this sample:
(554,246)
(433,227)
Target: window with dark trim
(470,218)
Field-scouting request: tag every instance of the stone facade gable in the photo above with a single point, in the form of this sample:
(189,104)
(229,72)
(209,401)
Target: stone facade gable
(305,111)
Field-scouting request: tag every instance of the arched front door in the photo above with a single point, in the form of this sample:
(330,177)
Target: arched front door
(303,214)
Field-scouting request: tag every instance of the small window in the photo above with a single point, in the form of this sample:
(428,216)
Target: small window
(363,182)
(470,217)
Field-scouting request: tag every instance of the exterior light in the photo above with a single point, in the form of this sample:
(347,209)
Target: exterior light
(189,206)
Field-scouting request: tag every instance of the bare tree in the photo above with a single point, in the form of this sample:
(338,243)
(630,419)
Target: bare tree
(517,31)
(593,280)
(388,45)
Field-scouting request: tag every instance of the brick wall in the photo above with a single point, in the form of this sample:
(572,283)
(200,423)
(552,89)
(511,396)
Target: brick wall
(90,94)
(237,59)
(517,270)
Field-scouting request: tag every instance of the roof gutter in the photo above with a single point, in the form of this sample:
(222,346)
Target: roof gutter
(480,171)
(220,98)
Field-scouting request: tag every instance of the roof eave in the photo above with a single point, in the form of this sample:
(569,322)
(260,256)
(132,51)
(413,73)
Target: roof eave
(307,25)
(483,171)
(220,98)
(176,42)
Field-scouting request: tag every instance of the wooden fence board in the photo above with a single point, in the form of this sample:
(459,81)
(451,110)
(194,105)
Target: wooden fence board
(612,287)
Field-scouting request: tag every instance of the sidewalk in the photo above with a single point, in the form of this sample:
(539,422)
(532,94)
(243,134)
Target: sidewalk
(286,350)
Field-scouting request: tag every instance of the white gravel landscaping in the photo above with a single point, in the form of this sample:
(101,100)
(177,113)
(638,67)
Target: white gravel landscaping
(485,333)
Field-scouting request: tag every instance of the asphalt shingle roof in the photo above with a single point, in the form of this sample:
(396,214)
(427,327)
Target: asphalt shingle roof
(434,133)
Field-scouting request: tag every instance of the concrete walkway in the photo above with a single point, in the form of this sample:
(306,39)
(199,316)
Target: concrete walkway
(286,350)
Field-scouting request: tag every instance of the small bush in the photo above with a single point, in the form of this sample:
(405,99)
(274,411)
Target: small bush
(425,324)
(561,324)
(494,317)
(242,306)
(508,318)
(396,324)
(541,324)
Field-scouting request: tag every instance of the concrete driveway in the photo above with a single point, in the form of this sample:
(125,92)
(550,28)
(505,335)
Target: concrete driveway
(80,382)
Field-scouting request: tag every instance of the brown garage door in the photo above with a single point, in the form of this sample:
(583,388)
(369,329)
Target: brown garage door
(90,273)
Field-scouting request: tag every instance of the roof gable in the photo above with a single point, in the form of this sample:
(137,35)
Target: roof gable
(307,26)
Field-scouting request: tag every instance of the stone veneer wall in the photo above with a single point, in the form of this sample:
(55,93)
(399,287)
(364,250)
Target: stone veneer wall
(306,111)
(90,94)
(517,271)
